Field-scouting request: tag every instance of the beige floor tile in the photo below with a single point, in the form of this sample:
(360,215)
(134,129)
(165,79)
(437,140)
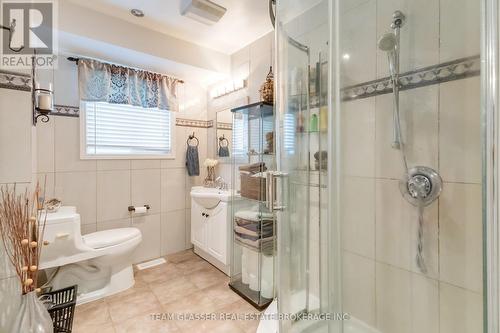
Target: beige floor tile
(183,256)
(146,323)
(216,326)
(133,305)
(172,290)
(195,304)
(96,313)
(207,277)
(138,288)
(91,328)
(221,295)
(159,273)
(185,285)
(193,265)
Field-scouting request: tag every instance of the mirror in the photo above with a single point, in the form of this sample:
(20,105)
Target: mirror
(224,134)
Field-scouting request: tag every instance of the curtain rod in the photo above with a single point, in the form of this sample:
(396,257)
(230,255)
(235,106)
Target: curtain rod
(75,60)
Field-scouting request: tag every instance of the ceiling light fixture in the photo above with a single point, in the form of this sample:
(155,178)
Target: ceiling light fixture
(137,12)
(204,11)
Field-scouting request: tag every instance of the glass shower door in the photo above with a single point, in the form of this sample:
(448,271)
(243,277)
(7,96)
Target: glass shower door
(302,43)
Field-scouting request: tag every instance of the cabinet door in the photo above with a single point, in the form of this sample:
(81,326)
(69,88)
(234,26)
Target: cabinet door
(198,226)
(217,242)
(15,136)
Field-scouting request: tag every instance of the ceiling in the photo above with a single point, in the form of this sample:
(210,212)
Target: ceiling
(244,21)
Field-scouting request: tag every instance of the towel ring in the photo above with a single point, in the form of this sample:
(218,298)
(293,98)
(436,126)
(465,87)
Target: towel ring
(223,139)
(193,137)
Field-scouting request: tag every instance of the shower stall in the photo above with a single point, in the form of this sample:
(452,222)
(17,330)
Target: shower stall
(387,129)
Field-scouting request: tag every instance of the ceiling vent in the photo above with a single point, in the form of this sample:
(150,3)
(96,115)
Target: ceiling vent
(204,11)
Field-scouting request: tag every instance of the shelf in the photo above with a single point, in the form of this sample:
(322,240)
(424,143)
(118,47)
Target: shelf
(251,296)
(256,110)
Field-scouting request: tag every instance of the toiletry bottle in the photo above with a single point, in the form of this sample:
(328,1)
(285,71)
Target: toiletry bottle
(313,124)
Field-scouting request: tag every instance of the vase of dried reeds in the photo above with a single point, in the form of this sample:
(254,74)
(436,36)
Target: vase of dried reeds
(22,224)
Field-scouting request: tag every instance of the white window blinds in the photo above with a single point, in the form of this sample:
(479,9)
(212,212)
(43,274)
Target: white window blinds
(126,131)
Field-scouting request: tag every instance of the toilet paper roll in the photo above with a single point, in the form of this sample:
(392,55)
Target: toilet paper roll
(140,210)
(267,276)
(253,270)
(244,265)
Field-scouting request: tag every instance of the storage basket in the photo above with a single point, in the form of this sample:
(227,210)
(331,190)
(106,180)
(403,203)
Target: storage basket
(62,308)
(253,187)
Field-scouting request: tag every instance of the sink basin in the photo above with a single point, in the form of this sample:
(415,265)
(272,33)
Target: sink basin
(209,197)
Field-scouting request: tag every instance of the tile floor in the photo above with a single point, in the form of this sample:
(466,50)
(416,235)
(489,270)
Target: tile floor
(186,284)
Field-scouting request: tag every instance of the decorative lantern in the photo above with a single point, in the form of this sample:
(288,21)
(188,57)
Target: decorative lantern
(267,89)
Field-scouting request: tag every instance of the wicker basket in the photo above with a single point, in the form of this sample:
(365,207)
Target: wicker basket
(253,187)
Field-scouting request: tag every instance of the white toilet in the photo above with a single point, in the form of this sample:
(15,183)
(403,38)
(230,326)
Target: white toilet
(100,263)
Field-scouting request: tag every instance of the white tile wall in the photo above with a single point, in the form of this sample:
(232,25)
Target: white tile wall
(146,189)
(103,189)
(441,129)
(359,224)
(460,246)
(173,231)
(393,294)
(419,125)
(460,131)
(420,33)
(113,194)
(462,39)
(461,311)
(79,189)
(359,43)
(359,276)
(359,137)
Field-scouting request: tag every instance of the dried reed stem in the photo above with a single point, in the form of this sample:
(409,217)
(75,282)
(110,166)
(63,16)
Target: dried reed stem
(22,225)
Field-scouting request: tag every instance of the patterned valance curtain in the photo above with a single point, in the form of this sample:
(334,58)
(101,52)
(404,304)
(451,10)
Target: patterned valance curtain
(103,82)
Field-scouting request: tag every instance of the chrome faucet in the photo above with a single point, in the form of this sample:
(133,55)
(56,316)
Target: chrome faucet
(220,183)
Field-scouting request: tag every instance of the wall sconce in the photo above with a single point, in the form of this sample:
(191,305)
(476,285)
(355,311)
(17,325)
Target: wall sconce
(42,99)
(43,103)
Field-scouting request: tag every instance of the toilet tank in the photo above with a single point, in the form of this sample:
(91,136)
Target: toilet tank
(62,231)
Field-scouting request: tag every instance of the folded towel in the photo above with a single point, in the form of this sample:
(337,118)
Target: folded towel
(224,151)
(266,244)
(254,168)
(264,233)
(192,161)
(253,216)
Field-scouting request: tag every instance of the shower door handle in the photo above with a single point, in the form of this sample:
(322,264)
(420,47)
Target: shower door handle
(271,181)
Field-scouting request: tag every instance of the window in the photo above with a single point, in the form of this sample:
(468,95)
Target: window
(125,131)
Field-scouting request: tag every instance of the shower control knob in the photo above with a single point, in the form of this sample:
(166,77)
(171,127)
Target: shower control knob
(419,186)
(422,186)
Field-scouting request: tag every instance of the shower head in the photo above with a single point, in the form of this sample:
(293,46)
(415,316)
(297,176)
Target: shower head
(387,42)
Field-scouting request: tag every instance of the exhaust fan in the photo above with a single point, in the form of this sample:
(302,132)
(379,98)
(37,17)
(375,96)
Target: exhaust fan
(204,11)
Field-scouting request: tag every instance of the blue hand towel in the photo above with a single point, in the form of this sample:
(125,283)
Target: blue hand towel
(223,151)
(192,161)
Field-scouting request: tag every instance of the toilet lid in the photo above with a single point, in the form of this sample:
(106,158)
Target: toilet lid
(100,239)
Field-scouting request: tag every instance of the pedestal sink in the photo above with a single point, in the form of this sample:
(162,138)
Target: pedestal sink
(209,197)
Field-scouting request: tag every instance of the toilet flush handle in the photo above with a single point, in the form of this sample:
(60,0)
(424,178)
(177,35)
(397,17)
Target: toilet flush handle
(62,235)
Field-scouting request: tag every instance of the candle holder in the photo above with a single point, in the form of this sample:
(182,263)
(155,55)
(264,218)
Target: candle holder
(41,99)
(44,104)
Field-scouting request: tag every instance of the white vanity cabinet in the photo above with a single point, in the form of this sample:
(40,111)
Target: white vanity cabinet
(210,226)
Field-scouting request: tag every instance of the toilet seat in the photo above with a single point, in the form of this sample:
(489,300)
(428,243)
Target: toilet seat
(107,238)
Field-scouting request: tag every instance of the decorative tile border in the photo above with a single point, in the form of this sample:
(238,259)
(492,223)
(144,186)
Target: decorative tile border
(66,111)
(448,71)
(74,111)
(194,123)
(15,81)
(225,126)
